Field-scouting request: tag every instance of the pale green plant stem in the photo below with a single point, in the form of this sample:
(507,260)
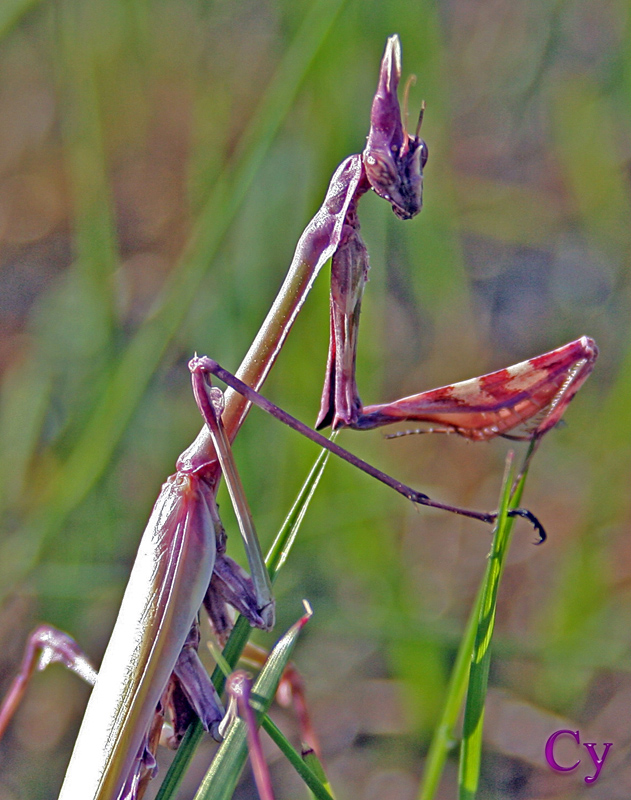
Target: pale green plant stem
(445,738)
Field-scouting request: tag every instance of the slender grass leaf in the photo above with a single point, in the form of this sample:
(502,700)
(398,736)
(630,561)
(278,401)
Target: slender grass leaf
(222,777)
(286,537)
(95,239)
(471,746)
(444,739)
(24,398)
(315,765)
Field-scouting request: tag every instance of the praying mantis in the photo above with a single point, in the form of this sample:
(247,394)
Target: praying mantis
(181,562)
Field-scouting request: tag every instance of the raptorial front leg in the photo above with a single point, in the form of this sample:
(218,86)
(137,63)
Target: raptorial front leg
(392,164)
(340,404)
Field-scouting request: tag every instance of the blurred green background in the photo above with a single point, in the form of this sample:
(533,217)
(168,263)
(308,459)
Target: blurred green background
(158,161)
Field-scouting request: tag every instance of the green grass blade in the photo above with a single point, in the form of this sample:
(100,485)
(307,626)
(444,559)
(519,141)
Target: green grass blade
(444,738)
(221,778)
(471,746)
(312,761)
(24,397)
(231,653)
(181,762)
(95,240)
(284,541)
(309,769)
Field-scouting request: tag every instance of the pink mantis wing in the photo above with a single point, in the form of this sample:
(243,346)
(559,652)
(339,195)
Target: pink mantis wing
(534,392)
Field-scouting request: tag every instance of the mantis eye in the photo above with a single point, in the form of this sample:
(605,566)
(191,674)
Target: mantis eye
(381,173)
(424,153)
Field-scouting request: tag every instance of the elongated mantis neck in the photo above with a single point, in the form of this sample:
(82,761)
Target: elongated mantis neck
(316,245)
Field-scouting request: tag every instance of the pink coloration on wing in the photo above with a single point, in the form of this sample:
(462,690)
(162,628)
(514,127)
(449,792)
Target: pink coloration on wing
(536,391)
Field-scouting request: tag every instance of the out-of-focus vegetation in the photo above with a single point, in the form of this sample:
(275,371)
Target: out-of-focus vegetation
(147,212)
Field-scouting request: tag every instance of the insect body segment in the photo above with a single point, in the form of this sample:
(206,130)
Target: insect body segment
(151,663)
(166,588)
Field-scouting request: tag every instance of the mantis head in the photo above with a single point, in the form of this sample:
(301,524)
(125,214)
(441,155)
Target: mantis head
(393,159)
